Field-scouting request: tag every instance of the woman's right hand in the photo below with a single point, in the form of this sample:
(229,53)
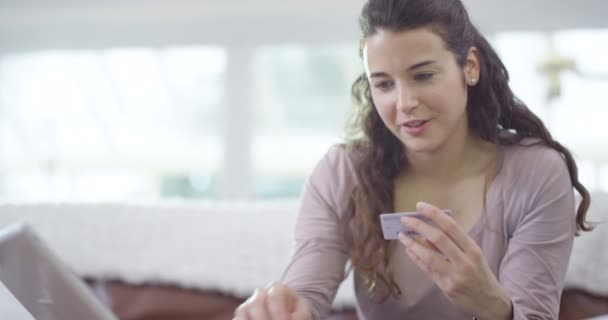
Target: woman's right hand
(275,302)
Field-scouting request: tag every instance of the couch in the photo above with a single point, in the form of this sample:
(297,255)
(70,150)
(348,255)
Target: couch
(199,260)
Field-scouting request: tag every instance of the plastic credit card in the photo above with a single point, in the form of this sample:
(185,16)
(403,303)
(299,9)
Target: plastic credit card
(391,223)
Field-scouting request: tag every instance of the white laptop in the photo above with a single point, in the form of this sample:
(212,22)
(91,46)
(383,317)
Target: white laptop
(45,287)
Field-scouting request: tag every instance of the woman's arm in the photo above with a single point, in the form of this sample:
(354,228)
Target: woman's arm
(316,268)
(536,261)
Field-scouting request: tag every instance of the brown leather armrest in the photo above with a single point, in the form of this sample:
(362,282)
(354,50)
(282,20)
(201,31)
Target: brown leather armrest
(157,302)
(578,304)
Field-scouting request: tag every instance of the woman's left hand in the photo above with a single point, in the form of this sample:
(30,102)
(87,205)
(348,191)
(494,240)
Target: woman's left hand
(456,265)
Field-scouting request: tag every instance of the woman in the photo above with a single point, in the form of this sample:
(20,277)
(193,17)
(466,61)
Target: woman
(437,127)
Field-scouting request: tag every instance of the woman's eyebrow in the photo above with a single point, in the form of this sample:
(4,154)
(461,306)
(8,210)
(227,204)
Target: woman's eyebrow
(413,67)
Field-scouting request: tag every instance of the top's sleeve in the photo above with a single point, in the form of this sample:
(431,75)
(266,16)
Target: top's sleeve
(536,261)
(319,257)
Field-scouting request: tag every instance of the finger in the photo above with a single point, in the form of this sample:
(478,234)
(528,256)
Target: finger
(256,309)
(432,274)
(302,311)
(240,317)
(241,311)
(437,238)
(447,225)
(427,259)
(279,301)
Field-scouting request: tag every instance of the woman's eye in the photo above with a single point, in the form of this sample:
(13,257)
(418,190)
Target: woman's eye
(384,85)
(423,76)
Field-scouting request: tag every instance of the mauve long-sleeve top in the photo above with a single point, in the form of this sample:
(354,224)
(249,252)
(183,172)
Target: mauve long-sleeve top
(526,236)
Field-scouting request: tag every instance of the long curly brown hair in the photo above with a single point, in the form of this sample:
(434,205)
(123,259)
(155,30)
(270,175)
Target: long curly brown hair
(493,111)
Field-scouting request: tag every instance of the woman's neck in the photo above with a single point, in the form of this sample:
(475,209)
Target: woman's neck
(462,154)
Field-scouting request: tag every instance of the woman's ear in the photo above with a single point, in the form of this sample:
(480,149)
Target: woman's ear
(472,67)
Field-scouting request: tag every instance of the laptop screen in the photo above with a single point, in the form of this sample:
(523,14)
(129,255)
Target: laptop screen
(41,282)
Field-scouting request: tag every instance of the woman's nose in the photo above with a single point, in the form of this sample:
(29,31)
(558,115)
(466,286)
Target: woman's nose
(406,100)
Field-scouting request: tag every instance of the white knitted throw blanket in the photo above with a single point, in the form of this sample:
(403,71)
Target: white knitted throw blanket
(225,246)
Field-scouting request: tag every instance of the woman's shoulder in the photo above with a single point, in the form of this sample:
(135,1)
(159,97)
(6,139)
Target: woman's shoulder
(333,179)
(338,163)
(531,165)
(342,156)
(336,170)
(533,176)
(532,155)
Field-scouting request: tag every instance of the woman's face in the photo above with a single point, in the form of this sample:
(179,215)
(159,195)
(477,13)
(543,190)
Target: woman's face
(418,88)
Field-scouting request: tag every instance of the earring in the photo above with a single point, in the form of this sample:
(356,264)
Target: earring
(473,81)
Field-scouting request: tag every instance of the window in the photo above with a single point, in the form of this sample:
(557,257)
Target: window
(576,113)
(302,99)
(111,124)
(238,121)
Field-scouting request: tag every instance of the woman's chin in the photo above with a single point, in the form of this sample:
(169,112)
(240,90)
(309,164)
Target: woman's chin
(419,145)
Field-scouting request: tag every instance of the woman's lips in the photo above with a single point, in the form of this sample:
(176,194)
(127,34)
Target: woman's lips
(416,131)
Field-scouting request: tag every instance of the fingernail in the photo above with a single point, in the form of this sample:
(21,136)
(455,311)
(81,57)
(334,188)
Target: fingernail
(422,205)
(404,238)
